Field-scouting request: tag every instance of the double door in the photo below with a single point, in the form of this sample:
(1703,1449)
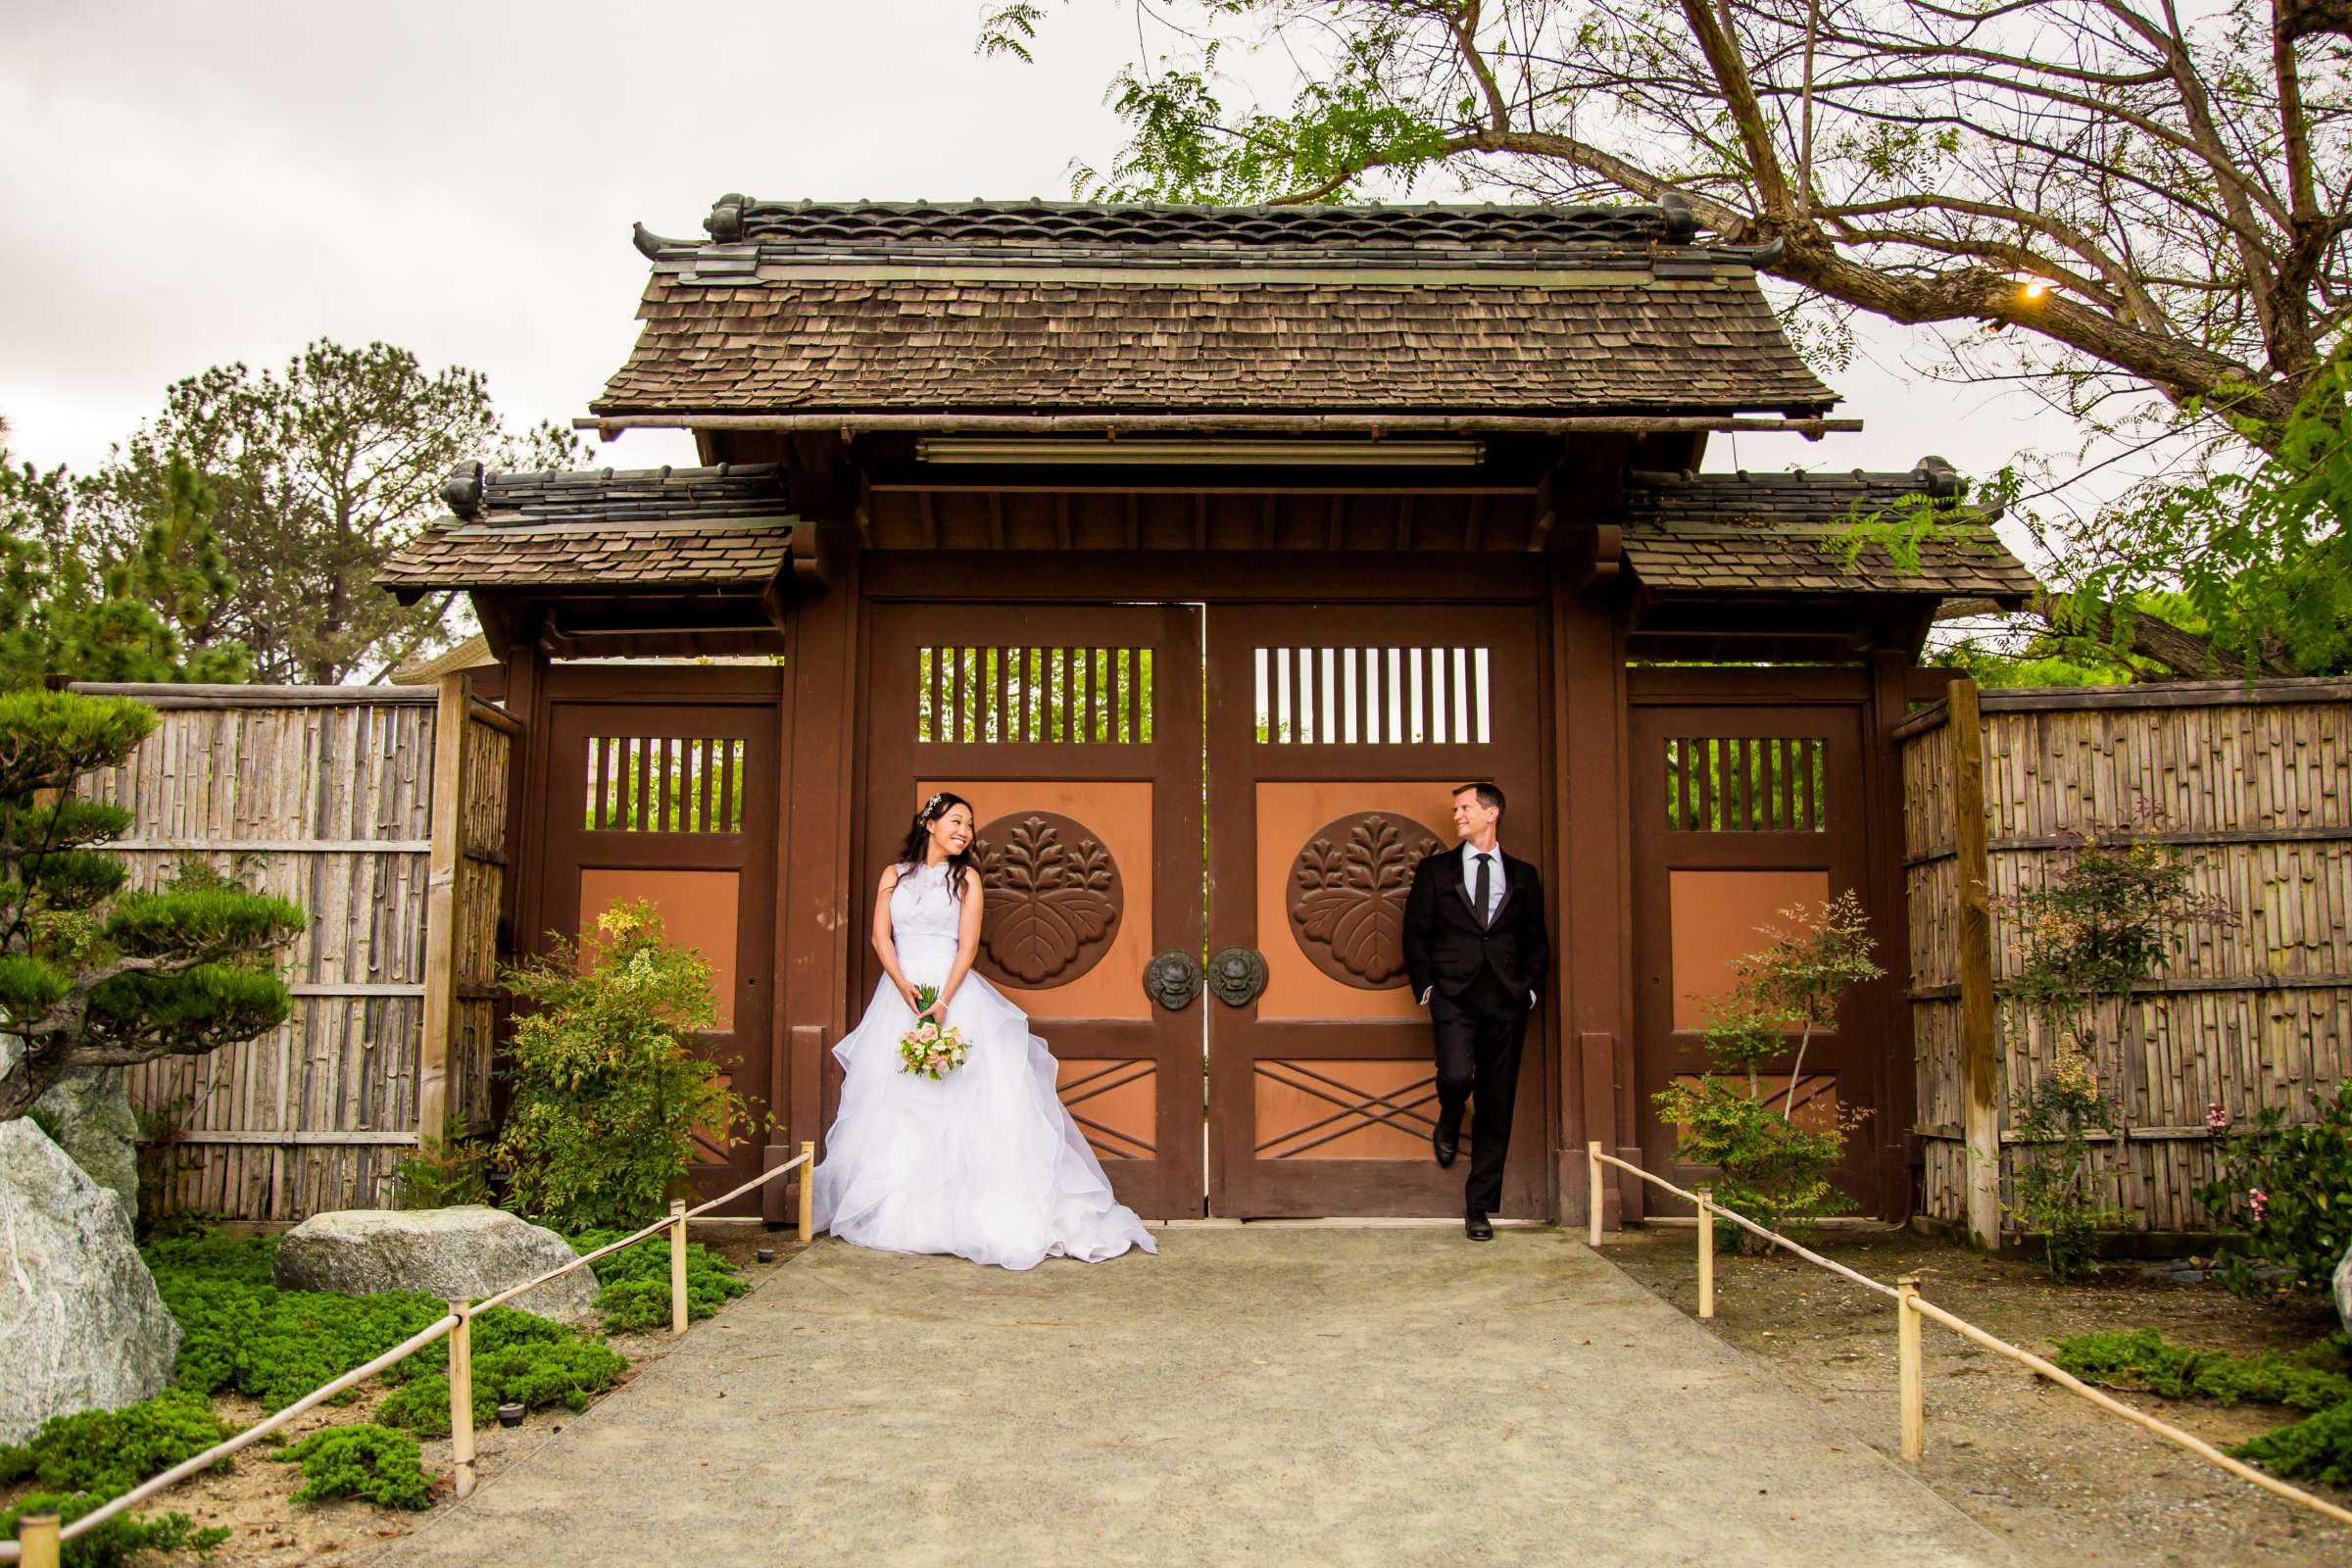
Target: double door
(1199,825)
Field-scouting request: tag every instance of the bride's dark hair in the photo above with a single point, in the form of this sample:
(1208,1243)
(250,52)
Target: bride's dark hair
(917,848)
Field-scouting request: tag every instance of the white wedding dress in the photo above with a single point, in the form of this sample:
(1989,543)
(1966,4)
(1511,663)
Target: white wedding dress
(985,1162)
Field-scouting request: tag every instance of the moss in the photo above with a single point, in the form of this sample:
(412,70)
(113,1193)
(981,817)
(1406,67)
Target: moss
(104,1453)
(117,1541)
(535,1372)
(2316,1379)
(363,1460)
(635,1279)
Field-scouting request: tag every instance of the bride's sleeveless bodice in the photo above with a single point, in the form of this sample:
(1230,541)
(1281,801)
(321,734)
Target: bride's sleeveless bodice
(925,920)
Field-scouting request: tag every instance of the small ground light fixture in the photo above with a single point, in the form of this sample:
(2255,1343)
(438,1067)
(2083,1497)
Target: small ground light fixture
(509,1415)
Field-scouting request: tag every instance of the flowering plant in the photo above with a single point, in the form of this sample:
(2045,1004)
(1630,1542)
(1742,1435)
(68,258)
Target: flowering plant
(931,1048)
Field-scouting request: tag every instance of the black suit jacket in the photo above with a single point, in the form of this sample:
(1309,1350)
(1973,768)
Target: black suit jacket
(1446,947)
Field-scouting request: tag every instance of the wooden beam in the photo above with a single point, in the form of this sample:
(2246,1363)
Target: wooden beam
(452,718)
(1979,1041)
(1104,423)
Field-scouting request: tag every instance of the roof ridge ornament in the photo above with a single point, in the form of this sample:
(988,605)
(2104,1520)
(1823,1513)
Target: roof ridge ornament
(463,489)
(725,223)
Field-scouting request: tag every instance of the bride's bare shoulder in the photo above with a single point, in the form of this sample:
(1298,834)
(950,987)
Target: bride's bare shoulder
(890,876)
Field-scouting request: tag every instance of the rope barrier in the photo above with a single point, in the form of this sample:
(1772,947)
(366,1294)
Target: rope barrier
(39,1537)
(1910,1309)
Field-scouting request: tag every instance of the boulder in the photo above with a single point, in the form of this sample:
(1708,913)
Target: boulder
(469,1250)
(2343,1290)
(81,1327)
(87,1114)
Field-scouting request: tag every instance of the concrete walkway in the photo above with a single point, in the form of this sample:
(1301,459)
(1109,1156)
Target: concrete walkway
(1276,1393)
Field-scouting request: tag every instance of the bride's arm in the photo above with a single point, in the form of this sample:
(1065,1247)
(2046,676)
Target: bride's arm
(967,941)
(885,946)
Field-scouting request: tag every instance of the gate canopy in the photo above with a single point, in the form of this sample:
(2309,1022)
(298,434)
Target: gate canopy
(1009,315)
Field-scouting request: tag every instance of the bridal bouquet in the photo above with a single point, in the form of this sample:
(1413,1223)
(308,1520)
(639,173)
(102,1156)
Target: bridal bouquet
(929,1047)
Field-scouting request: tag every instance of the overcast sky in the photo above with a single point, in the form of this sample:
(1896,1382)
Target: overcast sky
(191,182)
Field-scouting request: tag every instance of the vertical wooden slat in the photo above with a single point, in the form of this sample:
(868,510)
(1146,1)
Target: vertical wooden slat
(1978,1019)
(452,719)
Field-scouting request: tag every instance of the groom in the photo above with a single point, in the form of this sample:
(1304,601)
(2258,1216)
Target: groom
(1477,954)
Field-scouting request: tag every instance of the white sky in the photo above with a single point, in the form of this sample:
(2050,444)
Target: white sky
(195,182)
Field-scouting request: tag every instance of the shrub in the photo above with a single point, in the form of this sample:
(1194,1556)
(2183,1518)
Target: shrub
(2318,1445)
(119,1538)
(363,1460)
(239,1332)
(2316,1379)
(2288,1190)
(2055,1188)
(444,1174)
(1768,1169)
(635,1291)
(104,1453)
(607,1096)
(517,1358)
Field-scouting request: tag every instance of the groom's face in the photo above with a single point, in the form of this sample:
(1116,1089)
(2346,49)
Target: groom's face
(1473,816)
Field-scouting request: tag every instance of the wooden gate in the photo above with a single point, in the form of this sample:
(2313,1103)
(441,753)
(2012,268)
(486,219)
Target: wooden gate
(1082,762)
(1337,736)
(1741,811)
(664,788)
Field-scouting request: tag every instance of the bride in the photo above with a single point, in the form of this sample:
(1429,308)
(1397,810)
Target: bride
(982,1162)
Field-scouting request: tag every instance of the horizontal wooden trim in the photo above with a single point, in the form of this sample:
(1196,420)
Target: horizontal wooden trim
(1947,1134)
(2320,833)
(1920,721)
(2274,691)
(498,718)
(1272,272)
(286,1138)
(274,846)
(164,694)
(850,422)
(486,857)
(2188,984)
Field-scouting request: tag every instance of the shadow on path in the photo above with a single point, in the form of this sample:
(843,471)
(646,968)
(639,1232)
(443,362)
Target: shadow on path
(1288,1394)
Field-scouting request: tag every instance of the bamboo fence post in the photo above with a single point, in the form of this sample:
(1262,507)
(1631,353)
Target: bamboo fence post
(460,1396)
(1980,1042)
(452,715)
(1706,1251)
(36,1541)
(808,1189)
(677,1265)
(1910,1389)
(1593,1192)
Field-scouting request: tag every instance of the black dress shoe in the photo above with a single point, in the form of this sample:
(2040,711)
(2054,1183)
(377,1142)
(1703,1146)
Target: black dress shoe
(1477,1226)
(1446,1141)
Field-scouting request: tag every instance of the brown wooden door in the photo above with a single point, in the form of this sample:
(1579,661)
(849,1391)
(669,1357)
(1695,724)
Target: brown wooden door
(1337,736)
(663,789)
(1739,813)
(1075,733)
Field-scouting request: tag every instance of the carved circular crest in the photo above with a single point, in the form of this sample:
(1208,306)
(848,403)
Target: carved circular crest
(1346,896)
(1054,900)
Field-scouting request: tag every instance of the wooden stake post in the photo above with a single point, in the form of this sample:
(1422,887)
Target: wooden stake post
(1979,1043)
(460,1396)
(36,1541)
(807,1190)
(1593,1192)
(677,1265)
(1911,1390)
(1706,1251)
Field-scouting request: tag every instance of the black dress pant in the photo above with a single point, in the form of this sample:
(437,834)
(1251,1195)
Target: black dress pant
(1479,1034)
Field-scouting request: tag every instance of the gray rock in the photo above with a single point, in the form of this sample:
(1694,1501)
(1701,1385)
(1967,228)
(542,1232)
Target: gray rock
(2343,1290)
(81,1327)
(87,1114)
(469,1250)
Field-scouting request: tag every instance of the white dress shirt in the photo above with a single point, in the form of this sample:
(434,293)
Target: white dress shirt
(1494,873)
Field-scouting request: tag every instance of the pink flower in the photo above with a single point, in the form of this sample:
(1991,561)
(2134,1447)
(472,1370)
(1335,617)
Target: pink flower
(2258,1200)
(2216,1118)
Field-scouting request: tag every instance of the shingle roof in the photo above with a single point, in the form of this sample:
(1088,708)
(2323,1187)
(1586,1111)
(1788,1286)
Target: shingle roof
(723,527)
(1777,532)
(1040,307)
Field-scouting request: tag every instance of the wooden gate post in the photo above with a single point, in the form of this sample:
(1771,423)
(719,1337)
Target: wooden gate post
(452,716)
(1979,1043)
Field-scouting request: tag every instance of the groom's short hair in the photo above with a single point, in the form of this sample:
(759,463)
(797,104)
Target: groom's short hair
(1488,795)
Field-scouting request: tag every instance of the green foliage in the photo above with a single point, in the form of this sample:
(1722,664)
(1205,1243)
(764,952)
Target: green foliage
(535,1369)
(91,974)
(2318,1447)
(1768,1168)
(363,1460)
(2286,1188)
(635,1281)
(445,1174)
(118,1540)
(608,1095)
(2316,1379)
(240,1332)
(2055,1190)
(107,1452)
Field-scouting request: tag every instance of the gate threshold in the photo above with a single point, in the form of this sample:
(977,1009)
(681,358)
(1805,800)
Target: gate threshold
(1334,1222)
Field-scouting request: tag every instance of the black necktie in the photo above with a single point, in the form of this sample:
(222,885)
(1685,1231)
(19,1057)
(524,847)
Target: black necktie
(1486,885)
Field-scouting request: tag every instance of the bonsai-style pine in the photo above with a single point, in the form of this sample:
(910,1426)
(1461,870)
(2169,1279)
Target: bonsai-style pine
(92,975)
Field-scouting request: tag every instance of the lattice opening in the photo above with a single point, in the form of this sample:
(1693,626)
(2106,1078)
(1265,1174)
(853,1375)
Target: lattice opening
(1748,784)
(1374,696)
(1045,696)
(664,784)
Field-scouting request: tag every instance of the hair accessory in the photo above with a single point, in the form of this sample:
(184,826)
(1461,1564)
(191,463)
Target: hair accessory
(930,808)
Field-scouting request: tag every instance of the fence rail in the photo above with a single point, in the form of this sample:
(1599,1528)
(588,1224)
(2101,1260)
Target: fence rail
(40,1536)
(1910,1309)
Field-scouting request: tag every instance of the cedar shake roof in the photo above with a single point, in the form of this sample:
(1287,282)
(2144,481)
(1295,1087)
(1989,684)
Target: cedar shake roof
(722,528)
(1776,532)
(1043,308)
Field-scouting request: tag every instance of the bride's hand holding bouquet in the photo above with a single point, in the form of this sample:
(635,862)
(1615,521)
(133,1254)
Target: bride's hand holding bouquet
(933,1048)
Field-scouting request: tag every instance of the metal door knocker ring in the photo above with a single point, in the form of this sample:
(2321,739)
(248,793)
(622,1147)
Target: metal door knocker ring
(1172,979)
(1237,975)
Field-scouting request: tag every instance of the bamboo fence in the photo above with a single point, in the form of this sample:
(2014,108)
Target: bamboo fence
(2254,784)
(382,812)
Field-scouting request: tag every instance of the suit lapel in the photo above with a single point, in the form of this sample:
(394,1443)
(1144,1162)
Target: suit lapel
(1514,873)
